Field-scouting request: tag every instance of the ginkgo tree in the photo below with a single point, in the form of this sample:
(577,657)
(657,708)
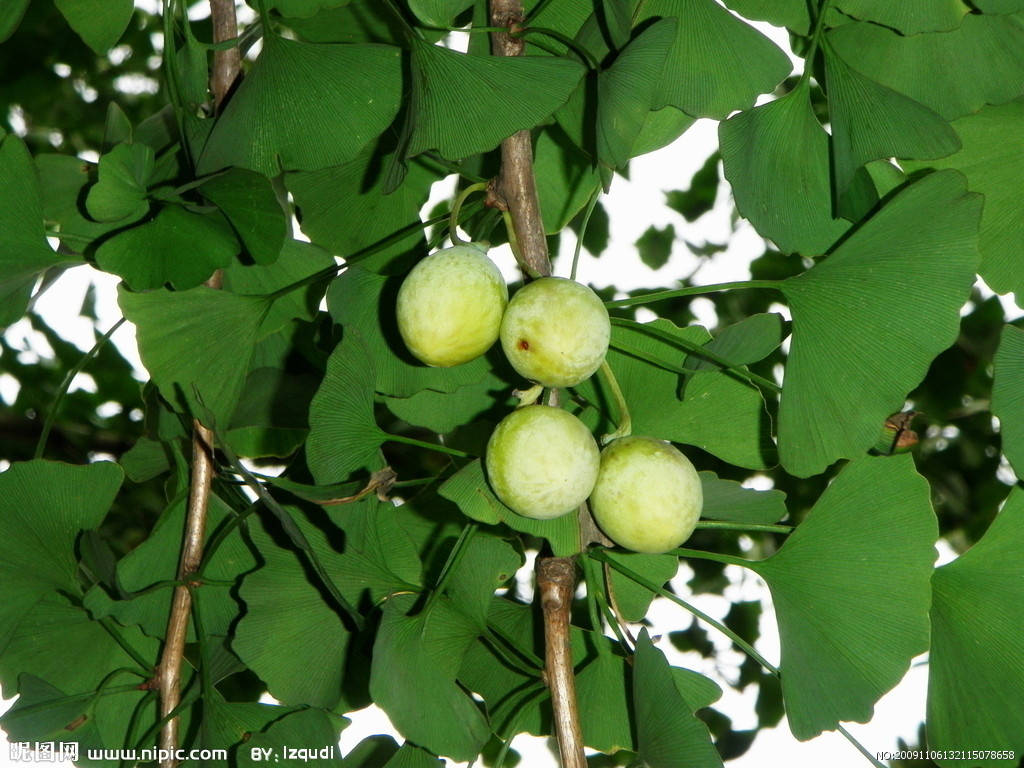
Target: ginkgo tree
(292,504)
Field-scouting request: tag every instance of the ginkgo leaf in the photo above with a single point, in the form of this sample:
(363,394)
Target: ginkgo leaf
(509,94)
(786,195)
(976,664)
(438,13)
(10,17)
(307,727)
(988,51)
(100,25)
(120,193)
(851,592)
(1008,396)
(718,63)
(404,667)
(667,733)
(993,167)
(25,251)
(177,247)
(897,127)
(249,202)
(908,17)
(861,341)
(197,345)
(343,435)
(728,500)
(340,98)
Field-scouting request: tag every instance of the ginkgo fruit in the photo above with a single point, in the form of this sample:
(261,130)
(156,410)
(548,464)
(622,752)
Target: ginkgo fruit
(450,306)
(648,496)
(541,461)
(555,332)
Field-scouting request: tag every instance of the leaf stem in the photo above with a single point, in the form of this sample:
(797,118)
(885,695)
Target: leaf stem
(715,556)
(430,446)
(738,641)
(583,231)
(66,384)
(819,28)
(453,221)
(694,290)
(723,525)
(625,420)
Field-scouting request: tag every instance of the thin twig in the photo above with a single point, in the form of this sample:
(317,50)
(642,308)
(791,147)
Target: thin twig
(556,578)
(226,68)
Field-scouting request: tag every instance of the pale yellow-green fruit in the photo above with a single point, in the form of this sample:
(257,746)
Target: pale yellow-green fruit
(648,496)
(542,461)
(555,332)
(450,306)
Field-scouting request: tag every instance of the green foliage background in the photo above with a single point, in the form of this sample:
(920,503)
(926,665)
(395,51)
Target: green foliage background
(884,180)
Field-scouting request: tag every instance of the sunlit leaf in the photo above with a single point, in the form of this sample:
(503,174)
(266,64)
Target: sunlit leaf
(861,341)
(851,592)
(697,78)
(976,664)
(793,14)
(786,195)
(871,122)
(1008,396)
(465,104)
(994,169)
(340,97)
(196,345)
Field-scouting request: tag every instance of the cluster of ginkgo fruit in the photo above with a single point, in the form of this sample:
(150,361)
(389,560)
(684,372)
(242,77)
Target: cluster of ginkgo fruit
(543,462)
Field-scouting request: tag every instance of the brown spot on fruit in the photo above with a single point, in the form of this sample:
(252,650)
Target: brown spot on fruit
(524,344)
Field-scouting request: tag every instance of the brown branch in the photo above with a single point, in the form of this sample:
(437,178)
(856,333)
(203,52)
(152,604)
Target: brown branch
(515,186)
(556,579)
(516,191)
(226,68)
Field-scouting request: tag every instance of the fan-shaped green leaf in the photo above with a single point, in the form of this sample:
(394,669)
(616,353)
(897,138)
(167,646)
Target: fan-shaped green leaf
(861,341)
(406,674)
(698,78)
(792,14)
(851,592)
(343,435)
(176,247)
(631,598)
(994,168)
(908,17)
(668,735)
(786,195)
(25,251)
(332,199)
(120,193)
(249,202)
(340,97)
(1008,395)
(955,73)
(100,25)
(871,122)
(308,737)
(465,104)
(438,13)
(468,488)
(366,301)
(566,178)
(297,261)
(976,662)
(626,91)
(655,246)
(197,345)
